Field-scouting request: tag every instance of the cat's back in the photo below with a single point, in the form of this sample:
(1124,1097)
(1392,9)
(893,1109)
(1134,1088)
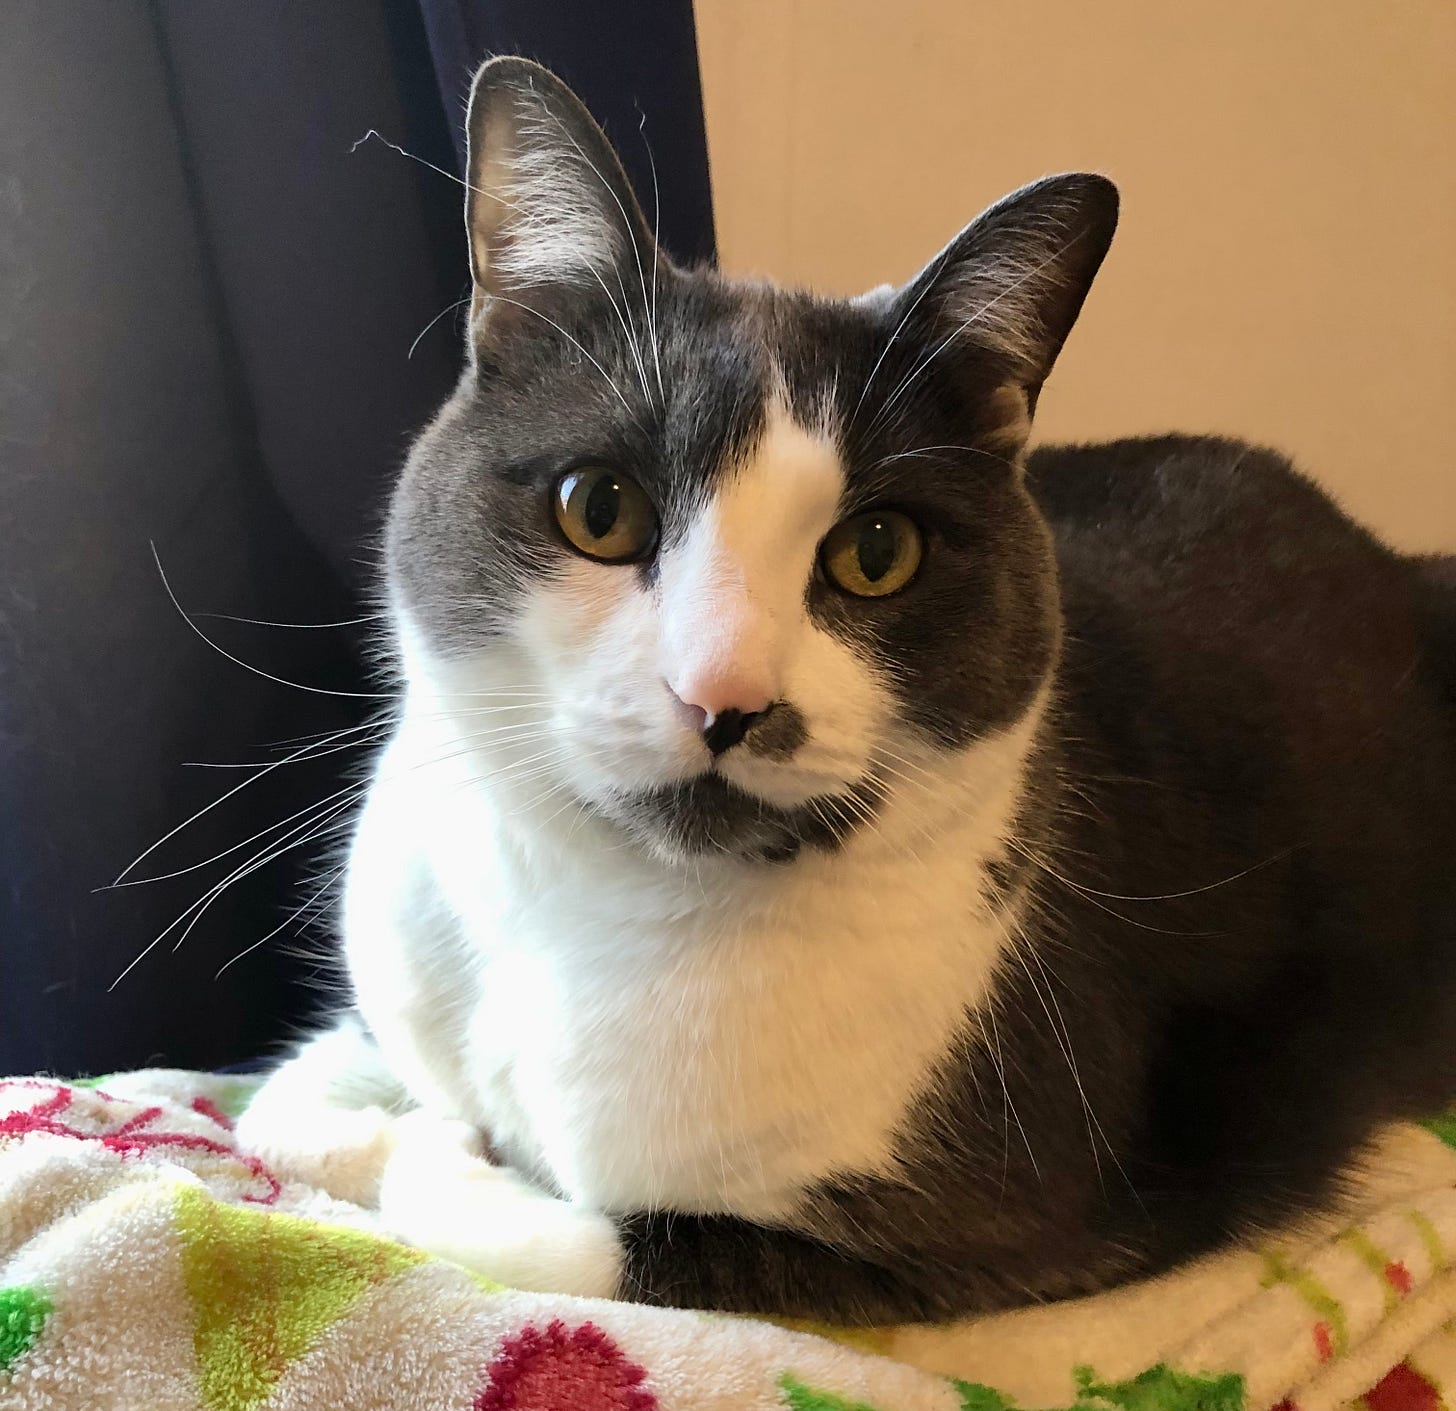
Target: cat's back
(1205,556)
(1257,693)
(1198,512)
(1283,676)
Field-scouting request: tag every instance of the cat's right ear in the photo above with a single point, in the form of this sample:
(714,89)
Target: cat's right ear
(548,205)
(998,302)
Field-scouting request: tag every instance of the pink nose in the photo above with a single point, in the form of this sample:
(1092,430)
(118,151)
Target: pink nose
(722,709)
(706,697)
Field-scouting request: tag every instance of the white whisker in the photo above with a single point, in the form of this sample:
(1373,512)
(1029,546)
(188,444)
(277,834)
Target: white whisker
(656,258)
(263,622)
(516,303)
(257,671)
(631,236)
(449,308)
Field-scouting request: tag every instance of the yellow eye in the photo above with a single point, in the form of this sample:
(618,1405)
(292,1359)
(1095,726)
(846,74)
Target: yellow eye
(604,515)
(873,554)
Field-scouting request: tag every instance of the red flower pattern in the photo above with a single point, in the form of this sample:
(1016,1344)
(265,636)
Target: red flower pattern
(131,1137)
(563,1369)
(1402,1389)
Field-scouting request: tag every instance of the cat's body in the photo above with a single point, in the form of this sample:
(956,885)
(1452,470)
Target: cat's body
(1037,924)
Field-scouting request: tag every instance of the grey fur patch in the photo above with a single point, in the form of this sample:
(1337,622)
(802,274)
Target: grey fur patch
(708,814)
(780,734)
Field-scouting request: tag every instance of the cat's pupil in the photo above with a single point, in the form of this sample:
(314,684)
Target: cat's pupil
(603,505)
(877,549)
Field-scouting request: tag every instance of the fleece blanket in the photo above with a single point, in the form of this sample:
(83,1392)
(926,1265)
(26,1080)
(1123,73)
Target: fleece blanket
(148,1263)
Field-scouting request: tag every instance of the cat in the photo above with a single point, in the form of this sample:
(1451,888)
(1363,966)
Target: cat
(828,861)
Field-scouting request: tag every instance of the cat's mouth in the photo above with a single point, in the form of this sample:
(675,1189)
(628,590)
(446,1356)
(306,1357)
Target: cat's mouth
(707,814)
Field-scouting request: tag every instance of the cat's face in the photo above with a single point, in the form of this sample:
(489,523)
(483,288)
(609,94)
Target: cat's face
(741,562)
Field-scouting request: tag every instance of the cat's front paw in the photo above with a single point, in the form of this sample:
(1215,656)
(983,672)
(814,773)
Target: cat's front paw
(340,1150)
(437,1195)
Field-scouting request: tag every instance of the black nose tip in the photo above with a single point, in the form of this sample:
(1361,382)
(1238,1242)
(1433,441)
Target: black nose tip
(729,727)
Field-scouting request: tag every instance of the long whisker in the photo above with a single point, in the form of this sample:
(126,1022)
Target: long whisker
(532,701)
(1065,1045)
(334,820)
(309,626)
(355,790)
(626,220)
(1009,1107)
(395,147)
(629,327)
(321,819)
(320,752)
(207,808)
(293,915)
(382,728)
(314,747)
(1046,867)
(575,343)
(1190,892)
(520,733)
(201,905)
(930,283)
(448,309)
(1092,1118)
(238,661)
(657,241)
(468,186)
(927,452)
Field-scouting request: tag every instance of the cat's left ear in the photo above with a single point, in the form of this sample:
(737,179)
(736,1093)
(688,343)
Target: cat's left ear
(1000,299)
(548,205)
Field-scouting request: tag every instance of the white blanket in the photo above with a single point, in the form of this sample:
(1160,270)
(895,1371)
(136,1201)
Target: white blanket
(146,1263)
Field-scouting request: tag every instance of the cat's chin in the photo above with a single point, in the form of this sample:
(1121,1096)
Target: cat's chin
(709,816)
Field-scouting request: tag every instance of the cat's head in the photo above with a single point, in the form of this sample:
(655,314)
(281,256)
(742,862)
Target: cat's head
(722,563)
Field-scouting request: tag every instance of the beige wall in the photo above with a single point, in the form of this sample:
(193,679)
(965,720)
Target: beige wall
(1286,265)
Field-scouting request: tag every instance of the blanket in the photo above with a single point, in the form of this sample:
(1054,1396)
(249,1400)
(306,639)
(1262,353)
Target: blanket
(148,1263)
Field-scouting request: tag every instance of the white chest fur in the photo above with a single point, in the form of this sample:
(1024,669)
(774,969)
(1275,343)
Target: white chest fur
(709,1040)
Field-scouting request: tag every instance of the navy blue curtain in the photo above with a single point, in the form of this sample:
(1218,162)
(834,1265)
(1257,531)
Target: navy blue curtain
(216,337)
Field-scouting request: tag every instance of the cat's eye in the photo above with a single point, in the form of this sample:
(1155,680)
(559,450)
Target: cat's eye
(604,514)
(873,554)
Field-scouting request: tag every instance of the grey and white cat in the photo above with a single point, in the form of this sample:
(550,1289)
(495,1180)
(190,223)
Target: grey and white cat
(829,862)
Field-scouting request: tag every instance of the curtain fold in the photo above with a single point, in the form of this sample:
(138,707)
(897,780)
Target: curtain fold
(207,306)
